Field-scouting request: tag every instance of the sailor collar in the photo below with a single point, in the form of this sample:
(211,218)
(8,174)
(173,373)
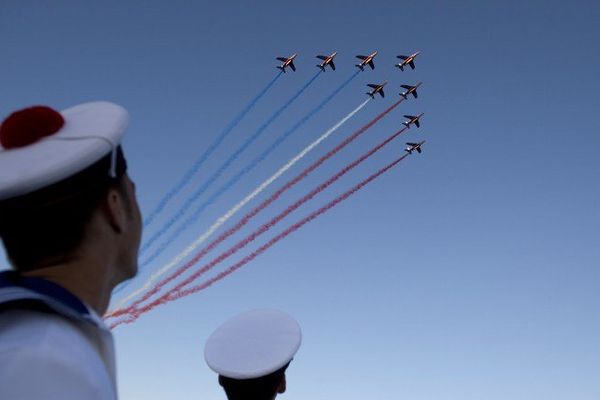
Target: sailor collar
(19,292)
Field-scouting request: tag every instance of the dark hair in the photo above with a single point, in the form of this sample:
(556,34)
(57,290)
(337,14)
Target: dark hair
(49,224)
(263,388)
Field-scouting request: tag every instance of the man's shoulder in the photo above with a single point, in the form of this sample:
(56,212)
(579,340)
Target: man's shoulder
(30,329)
(48,351)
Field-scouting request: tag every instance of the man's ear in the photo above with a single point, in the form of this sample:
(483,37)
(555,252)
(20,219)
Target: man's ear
(282,385)
(115,210)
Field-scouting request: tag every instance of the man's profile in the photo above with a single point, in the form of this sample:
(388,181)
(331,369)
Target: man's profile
(71,228)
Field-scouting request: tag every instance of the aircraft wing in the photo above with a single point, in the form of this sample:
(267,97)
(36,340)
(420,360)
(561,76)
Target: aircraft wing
(402,57)
(322,57)
(419,149)
(371,64)
(371,85)
(406,86)
(381,93)
(417,123)
(332,65)
(282,59)
(415,94)
(361,57)
(412,65)
(411,144)
(293,67)
(409,116)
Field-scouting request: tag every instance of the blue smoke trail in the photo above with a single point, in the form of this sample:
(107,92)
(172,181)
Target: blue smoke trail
(222,168)
(194,217)
(194,169)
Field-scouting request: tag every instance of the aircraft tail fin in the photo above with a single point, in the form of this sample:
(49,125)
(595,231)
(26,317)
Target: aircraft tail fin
(281,68)
(362,68)
(406,124)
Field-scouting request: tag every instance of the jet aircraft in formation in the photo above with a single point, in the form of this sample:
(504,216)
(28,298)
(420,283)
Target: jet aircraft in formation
(376,89)
(287,62)
(414,146)
(412,119)
(327,60)
(407,60)
(366,60)
(410,90)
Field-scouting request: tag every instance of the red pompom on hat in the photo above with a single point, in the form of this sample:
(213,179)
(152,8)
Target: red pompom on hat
(29,125)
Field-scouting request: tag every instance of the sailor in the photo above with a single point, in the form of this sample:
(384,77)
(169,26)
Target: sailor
(71,226)
(251,353)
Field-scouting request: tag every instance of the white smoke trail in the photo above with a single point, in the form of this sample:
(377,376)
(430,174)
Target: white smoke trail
(225,217)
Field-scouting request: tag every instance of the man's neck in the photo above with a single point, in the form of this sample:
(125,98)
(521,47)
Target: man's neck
(82,279)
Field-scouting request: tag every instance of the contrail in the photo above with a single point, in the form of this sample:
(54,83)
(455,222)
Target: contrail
(253,213)
(175,293)
(221,220)
(194,197)
(198,212)
(192,171)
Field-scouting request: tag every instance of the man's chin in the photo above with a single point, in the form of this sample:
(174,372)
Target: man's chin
(132,271)
(127,273)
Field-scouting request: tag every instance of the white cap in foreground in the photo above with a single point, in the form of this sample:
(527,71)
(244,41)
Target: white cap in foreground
(253,344)
(40,146)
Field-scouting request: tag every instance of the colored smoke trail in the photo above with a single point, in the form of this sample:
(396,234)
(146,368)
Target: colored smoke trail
(221,220)
(258,232)
(194,197)
(198,163)
(181,256)
(198,212)
(240,245)
(175,294)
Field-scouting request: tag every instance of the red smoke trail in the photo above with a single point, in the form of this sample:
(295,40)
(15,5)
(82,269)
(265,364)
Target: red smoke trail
(170,296)
(131,309)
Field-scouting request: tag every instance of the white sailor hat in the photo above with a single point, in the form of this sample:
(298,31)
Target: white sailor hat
(253,344)
(40,146)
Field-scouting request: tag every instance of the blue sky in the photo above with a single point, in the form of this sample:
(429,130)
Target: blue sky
(467,272)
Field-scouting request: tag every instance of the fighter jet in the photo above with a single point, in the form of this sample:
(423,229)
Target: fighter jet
(327,60)
(366,60)
(414,146)
(410,90)
(412,119)
(407,60)
(287,62)
(376,89)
